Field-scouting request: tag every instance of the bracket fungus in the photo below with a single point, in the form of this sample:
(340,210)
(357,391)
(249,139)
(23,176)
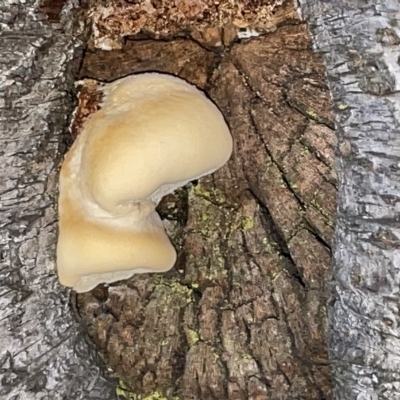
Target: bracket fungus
(153,134)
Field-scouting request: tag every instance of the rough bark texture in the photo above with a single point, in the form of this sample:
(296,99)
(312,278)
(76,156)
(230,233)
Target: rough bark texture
(44,353)
(242,315)
(360,43)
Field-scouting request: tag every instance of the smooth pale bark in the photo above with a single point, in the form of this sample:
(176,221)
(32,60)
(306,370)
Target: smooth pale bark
(43,351)
(360,41)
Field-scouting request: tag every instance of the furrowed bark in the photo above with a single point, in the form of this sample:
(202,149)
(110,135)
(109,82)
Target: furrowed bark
(44,353)
(242,314)
(360,41)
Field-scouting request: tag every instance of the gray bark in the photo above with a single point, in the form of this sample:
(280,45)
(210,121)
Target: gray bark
(43,354)
(360,43)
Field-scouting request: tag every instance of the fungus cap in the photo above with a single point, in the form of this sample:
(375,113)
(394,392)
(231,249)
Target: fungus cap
(153,134)
(95,246)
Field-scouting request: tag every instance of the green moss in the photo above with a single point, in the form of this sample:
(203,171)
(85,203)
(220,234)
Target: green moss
(213,195)
(173,293)
(200,191)
(193,337)
(247,223)
(311,114)
(179,288)
(122,391)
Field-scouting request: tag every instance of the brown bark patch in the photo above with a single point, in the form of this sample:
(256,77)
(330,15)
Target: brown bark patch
(242,315)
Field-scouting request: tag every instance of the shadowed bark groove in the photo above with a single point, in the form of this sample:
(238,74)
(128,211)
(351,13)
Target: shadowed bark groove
(242,315)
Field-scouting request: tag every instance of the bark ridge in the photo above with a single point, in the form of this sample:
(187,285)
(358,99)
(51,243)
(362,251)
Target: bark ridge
(44,353)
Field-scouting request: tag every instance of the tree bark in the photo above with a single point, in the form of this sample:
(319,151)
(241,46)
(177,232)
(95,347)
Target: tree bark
(44,353)
(360,41)
(242,314)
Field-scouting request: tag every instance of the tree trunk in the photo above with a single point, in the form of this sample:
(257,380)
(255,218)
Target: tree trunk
(242,314)
(43,351)
(360,43)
